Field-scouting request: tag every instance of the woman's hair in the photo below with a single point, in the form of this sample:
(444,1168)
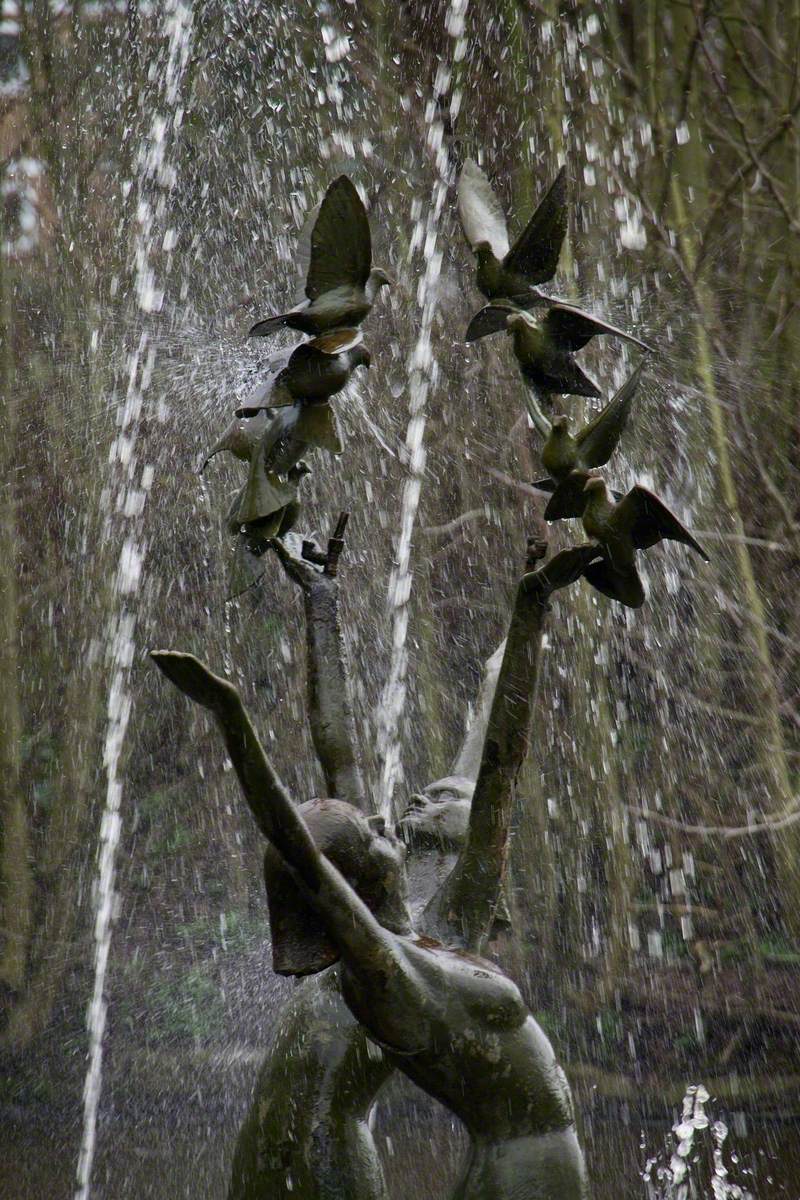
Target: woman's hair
(300,944)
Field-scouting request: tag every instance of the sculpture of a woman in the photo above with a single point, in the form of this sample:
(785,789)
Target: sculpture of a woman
(452,1022)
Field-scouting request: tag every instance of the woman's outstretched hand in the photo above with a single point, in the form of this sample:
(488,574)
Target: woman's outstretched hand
(194,678)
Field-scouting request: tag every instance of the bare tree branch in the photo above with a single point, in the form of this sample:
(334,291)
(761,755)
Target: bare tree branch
(723,831)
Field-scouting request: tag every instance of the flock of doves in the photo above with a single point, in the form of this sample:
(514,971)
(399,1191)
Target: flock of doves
(289,414)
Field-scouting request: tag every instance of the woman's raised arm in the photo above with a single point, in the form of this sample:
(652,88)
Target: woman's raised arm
(367,947)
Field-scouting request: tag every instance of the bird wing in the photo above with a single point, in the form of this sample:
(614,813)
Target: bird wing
(271,325)
(317,426)
(563,377)
(336,342)
(647,520)
(262,396)
(482,216)
(622,584)
(535,252)
(341,246)
(598,440)
(241,437)
(245,568)
(566,566)
(264,491)
(571,328)
(568,498)
(490,319)
(302,252)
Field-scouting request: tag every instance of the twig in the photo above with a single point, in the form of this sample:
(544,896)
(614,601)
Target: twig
(739,175)
(713,536)
(724,831)
(514,483)
(465,518)
(752,153)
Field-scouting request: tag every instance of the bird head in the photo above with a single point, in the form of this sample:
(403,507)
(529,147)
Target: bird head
(595,486)
(380,278)
(560,425)
(298,471)
(361,357)
(377,279)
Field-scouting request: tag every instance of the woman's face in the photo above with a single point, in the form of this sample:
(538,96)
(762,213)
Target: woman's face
(389,856)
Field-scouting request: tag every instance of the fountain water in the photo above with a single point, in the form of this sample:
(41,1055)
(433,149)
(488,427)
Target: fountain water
(688,1172)
(125,499)
(422,379)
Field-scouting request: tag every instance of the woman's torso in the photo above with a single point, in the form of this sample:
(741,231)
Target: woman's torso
(473,1045)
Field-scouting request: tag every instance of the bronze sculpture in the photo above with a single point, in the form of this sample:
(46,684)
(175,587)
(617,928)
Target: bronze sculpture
(637,521)
(504,271)
(450,1021)
(334,251)
(545,347)
(307,1133)
(570,457)
(310,371)
(341,1036)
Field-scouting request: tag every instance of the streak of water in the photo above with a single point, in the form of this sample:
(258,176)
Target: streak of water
(126,497)
(423,373)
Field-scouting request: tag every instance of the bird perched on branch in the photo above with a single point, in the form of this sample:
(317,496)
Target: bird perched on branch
(569,458)
(637,521)
(504,272)
(291,433)
(544,348)
(311,371)
(257,530)
(334,252)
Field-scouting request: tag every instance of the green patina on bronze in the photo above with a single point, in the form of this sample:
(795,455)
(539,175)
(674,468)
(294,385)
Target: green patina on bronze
(452,1022)
(511,272)
(420,1001)
(334,251)
(569,457)
(622,528)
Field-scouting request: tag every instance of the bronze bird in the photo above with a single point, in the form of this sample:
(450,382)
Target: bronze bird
(246,566)
(637,521)
(241,437)
(544,348)
(510,273)
(257,530)
(291,433)
(311,371)
(335,253)
(569,458)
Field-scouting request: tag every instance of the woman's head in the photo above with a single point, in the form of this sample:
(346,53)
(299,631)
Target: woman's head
(368,856)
